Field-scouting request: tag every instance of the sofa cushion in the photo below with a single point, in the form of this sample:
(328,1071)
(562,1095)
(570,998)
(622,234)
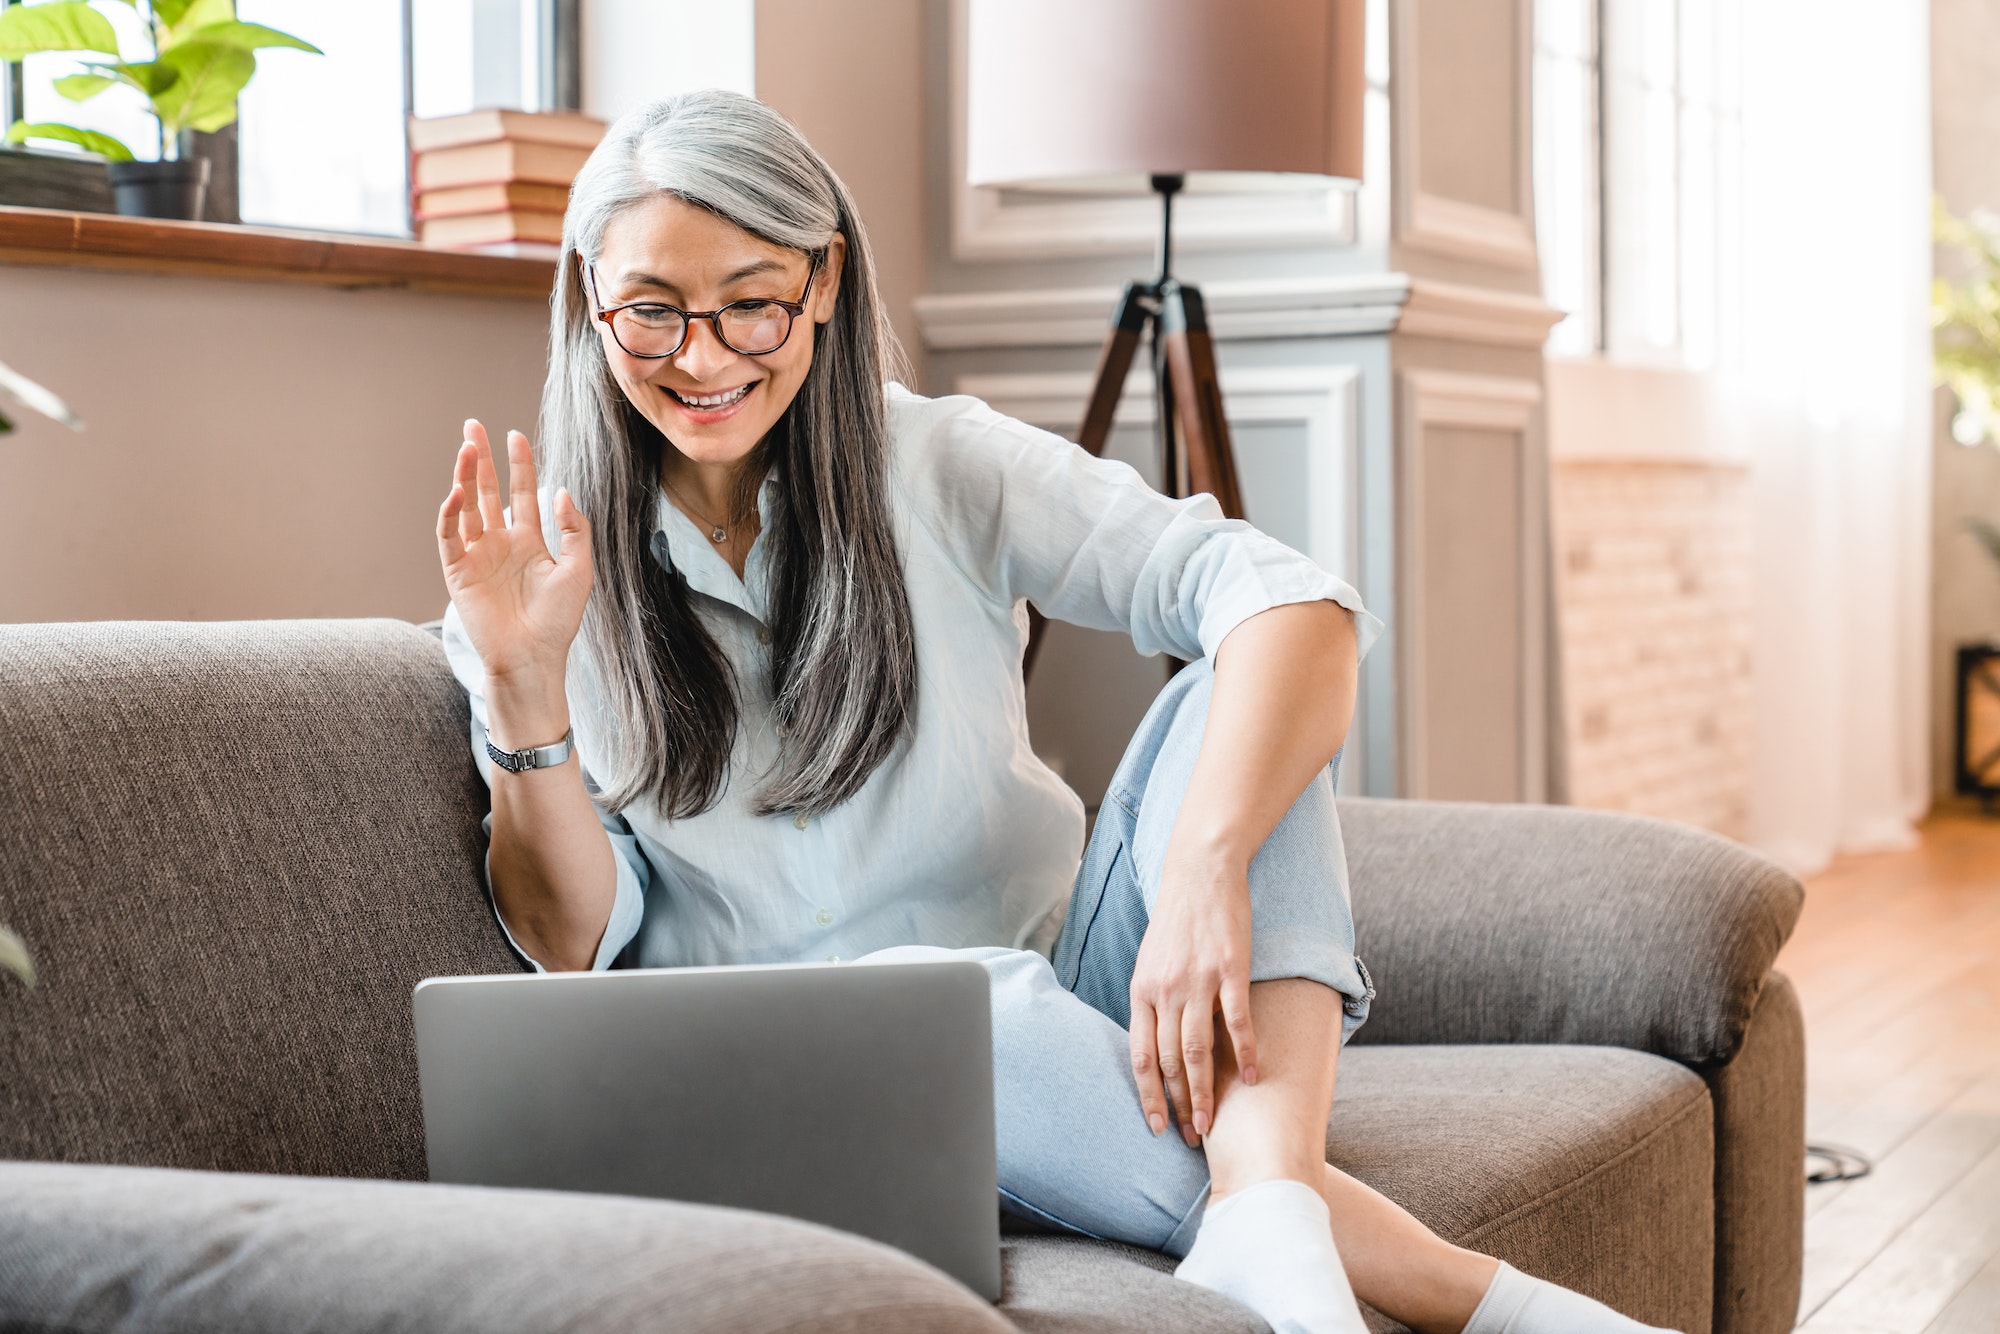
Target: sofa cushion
(233,849)
(1488,922)
(84,1249)
(1590,1166)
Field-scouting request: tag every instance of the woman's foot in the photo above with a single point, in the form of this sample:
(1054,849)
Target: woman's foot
(1270,1247)
(1516,1303)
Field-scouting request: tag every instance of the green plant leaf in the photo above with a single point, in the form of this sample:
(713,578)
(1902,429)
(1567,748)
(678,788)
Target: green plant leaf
(103,144)
(249,36)
(198,14)
(204,96)
(83,87)
(151,78)
(14,957)
(60,25)
(171,12)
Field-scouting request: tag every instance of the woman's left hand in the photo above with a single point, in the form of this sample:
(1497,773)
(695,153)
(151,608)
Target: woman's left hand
(1193,961)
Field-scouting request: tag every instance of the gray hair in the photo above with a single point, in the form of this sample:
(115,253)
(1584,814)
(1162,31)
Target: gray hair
(843,658)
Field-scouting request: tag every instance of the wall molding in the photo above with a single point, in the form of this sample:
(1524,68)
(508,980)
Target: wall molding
(1321,307)
(1479,402)
(1464,313)
(1081,316)
(1426,220)
(990,224)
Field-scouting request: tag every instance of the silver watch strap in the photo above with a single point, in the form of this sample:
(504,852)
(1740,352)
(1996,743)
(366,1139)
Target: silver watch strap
(534,757)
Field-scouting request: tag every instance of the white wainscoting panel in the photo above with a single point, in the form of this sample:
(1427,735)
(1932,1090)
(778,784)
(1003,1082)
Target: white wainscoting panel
(1503,407)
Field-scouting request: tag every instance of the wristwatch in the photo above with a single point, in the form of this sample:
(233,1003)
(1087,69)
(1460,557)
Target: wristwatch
(534,757)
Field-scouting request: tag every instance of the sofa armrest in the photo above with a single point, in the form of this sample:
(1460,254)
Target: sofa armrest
(1515,923)
(103,1248)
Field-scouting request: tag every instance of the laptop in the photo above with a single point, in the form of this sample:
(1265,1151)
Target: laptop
(859,1096)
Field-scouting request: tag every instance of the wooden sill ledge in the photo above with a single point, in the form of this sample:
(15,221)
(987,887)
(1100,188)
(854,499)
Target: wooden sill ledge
(49,237)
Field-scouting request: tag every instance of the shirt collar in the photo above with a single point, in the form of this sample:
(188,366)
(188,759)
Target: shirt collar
(679,545)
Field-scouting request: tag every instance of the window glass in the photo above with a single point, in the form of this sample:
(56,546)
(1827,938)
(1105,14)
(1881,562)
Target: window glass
(321,142)
(1565,127)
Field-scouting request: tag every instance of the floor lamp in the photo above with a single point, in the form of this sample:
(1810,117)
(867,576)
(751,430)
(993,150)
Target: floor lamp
(1170,97)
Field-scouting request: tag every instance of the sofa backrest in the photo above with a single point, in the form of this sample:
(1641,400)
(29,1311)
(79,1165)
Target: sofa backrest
(232,850)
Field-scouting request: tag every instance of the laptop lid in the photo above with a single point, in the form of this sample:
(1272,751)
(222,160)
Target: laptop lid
(859,1096)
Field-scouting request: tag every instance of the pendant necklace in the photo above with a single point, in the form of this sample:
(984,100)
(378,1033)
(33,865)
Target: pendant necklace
(717,533)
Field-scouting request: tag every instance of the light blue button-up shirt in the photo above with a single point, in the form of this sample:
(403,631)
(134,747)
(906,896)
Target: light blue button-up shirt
(962,837)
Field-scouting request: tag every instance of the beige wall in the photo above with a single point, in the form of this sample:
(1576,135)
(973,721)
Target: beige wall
(851,77)
(254,449)
(1965,146)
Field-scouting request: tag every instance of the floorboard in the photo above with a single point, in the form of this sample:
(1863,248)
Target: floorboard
(1897,962)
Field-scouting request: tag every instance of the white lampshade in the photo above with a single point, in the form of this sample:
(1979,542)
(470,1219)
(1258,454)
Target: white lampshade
(1099,95)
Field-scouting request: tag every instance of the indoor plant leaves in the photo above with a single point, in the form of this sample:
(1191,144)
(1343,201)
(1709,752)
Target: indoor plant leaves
(103,144)
(61,25)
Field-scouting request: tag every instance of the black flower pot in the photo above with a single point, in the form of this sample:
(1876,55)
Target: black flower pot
(160,189)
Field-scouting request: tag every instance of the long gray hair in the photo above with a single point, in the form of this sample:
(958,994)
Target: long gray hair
(843,659)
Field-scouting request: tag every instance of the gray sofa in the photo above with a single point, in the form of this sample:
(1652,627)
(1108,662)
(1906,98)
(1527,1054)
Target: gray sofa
(234,848)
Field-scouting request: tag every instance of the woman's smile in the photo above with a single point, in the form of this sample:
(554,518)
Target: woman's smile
(705,409)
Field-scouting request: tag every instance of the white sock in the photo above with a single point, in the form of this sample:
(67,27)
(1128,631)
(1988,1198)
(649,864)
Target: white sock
(1516,1303)
(1271,1248)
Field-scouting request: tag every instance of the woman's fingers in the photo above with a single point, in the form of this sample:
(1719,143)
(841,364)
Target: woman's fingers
(1236,1018)
(1197,1039)
(521,483)
(1146,1066)
(450,549)
(465,476)
(573,530)
(492,512)
(1173,1068)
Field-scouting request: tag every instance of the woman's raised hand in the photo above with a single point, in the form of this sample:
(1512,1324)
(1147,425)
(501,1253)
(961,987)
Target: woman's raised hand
(520,605)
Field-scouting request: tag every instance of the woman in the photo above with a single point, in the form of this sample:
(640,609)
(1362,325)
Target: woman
(783,625)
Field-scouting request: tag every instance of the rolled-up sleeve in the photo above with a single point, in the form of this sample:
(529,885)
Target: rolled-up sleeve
(634,871)
(1030,515)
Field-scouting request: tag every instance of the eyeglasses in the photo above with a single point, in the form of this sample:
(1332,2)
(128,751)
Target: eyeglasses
(751,327)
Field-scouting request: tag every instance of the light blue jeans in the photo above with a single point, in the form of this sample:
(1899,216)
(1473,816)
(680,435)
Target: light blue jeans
(1075,1153)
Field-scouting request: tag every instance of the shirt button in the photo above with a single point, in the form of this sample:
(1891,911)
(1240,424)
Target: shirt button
(763,634)
(801,820)
(833,958)
(826,917)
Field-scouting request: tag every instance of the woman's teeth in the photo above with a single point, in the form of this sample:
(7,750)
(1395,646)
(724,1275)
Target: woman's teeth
(710,402)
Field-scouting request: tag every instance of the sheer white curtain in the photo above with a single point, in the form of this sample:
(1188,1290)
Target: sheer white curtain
(1830,385)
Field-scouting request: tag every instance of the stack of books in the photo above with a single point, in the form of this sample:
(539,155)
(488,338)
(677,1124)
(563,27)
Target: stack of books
(497,181)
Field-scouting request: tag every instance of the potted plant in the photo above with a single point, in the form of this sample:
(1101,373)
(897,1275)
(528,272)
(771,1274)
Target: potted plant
(202,57)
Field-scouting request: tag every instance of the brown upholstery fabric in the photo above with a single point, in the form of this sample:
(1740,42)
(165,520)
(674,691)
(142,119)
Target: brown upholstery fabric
(84,1249)
(1064,1285)
(1491,923)
(1760,1137)
(233,849)
(1588,1166)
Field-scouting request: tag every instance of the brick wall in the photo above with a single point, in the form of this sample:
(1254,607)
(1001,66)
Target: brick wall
(1653,604)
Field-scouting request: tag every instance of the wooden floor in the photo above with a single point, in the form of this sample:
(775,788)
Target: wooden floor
(1897,960)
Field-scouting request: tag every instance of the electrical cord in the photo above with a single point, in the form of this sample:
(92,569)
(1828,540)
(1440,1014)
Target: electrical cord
(1832,1162)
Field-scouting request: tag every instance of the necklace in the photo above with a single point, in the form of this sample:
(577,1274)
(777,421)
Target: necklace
(717,533)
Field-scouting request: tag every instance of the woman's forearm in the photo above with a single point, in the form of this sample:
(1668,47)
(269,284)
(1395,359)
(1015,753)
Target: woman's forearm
(1283,698)
(552,869)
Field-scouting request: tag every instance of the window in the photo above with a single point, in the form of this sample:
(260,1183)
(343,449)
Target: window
(1638,140)
(320,140)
